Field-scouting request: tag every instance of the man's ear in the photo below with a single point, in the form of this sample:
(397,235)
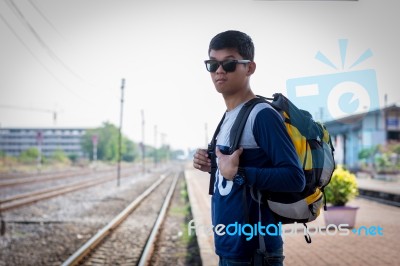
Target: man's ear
(252,68)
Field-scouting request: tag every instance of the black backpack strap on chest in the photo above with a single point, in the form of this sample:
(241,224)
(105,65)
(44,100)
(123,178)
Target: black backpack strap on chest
(241,119)
(234,137)
(213,157)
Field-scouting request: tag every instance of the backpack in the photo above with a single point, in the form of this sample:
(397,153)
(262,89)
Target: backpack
(314,148)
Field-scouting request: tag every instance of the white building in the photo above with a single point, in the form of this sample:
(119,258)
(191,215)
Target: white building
(15,140)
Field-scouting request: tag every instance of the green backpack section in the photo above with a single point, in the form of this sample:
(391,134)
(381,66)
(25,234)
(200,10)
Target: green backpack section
(315,152)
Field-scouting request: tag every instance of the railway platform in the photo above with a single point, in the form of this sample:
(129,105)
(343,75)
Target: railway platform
(373,241)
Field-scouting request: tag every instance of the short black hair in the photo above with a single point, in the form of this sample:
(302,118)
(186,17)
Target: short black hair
(233,39)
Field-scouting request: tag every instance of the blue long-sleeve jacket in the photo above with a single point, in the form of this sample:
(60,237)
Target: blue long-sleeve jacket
(271,163)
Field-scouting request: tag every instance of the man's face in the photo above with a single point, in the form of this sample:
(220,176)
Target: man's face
(225,82)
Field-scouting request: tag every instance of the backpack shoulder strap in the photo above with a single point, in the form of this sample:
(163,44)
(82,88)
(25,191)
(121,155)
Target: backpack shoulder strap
(212,156)
(240,122)
(234,136)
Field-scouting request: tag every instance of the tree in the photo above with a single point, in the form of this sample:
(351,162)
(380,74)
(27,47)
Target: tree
(178,155)
(368,154)
(73,157)
(131,152)
(396,149)
(29,156)
(60,156)
(107,146)
(163,153)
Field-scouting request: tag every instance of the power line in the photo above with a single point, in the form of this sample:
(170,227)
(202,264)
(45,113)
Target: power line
(120,131)
(37,59)
(38,10)
(53,112)
(14,8)
(25,108)
(37,7)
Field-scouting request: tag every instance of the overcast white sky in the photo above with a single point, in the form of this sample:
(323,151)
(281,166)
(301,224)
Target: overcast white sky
(71,55)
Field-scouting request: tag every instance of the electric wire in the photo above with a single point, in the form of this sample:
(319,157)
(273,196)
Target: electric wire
(15,9)
(9,106)
(37,59)
(37,7)
(39,11)
(37,36)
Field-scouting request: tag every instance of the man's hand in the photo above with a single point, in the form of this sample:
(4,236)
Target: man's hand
(228,164)
(201,160)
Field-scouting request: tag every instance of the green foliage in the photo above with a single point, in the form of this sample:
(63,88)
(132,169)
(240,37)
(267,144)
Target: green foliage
(381,158)
(107,146)
(342,188)
(163,153)
(387,159)
(367,153)
(384,164)
(131,152)
(396,149)
(178,155)
(29,156)
(73,158)
(60,156)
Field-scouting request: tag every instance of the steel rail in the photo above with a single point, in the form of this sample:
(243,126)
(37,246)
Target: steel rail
(28,198)
(149,248)
(35,179)
(92,243)
(49,177)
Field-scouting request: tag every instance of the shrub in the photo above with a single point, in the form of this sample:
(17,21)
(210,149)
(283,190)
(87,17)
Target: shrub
(29,156)
(342,188)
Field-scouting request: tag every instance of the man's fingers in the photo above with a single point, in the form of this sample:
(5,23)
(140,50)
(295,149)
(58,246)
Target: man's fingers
(201,159)
(202,167)
(201,152)
(197,166)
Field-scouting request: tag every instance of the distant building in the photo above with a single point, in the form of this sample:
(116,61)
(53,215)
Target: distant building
(13,141)
(354,133)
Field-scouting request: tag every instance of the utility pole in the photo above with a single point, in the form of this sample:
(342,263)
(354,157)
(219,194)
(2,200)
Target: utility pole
(143,146)
(39,139)
(94,142)
(120,129)
(164,151)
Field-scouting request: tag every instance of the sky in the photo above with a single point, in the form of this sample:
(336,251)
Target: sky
(71,56)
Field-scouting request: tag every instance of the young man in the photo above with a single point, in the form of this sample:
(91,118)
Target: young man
(265,160)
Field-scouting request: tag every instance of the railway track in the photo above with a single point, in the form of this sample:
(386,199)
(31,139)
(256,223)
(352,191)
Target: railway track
(12,182)
(24,199)
(130,236)
(10,175)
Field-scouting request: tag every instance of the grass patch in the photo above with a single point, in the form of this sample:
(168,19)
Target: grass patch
(193,251)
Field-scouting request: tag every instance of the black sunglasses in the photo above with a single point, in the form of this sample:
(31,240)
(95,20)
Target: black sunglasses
(227,65)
